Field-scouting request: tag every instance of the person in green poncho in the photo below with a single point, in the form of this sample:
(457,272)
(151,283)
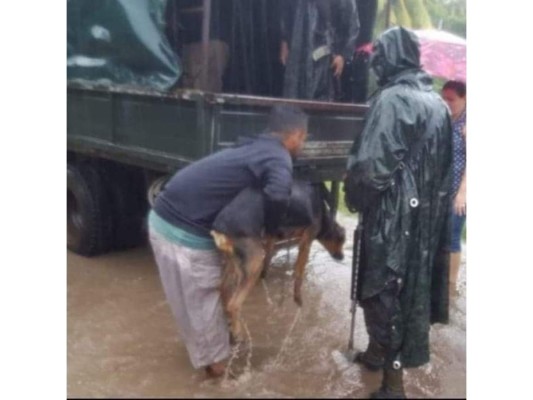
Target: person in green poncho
(399,180)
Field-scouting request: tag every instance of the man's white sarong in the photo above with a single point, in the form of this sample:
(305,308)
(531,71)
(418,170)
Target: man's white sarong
(191,280)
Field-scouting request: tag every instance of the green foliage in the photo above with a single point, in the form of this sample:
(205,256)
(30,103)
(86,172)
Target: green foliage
(381,18)
(438,83)
(381,5)
(448,15)
(401,13)
(419,14)
(342,205)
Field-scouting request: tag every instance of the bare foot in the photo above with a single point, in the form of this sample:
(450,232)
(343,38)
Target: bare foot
(215,370)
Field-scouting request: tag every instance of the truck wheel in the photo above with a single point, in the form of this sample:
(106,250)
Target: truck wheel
(129,207)
(88,223)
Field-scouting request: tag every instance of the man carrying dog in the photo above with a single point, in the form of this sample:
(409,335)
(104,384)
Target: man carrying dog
(399,179)
(182,218)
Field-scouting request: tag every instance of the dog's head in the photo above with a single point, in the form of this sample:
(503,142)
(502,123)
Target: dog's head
(332,236)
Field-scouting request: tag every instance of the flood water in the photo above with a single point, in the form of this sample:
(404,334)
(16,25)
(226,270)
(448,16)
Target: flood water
(123,342)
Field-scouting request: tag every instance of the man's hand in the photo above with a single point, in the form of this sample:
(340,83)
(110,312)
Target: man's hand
(365,48)
(284,52)
(338,65)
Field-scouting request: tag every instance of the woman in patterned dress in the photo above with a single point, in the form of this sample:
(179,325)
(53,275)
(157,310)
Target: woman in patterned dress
(454,94)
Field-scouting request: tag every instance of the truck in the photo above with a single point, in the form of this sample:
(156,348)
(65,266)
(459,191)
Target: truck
(125,138)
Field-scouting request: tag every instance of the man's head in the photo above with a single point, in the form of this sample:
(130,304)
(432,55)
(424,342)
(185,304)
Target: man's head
(290,124)
(454,94)
(395,51)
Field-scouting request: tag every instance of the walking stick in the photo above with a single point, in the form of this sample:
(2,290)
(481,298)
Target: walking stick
(356,259)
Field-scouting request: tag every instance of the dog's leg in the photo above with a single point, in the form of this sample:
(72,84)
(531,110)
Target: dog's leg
(304,248)
(232,277)
(250,268)
(269,253)
(230,281)
(225,283)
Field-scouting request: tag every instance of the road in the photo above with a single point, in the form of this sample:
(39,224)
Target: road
(123,342)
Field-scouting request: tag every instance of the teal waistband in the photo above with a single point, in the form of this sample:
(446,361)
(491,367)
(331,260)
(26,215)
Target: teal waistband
(177,235)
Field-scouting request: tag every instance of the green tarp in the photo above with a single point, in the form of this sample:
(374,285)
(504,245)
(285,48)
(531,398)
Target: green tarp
(120,42)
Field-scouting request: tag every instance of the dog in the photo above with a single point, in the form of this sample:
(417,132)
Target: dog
(247,252)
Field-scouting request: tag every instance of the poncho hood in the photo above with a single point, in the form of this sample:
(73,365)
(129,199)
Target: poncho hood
(396,51)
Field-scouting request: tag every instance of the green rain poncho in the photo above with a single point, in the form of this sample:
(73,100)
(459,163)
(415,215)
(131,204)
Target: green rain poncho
(403,190)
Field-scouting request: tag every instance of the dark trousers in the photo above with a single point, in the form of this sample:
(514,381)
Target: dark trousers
(383,319)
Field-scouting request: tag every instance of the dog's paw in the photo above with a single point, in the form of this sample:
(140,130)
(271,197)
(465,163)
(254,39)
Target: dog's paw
(236,339)
(298,299)
(236,333)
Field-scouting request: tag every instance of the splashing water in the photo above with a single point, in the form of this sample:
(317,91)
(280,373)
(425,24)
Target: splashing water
(297,352)
(232,358)
(284,345)
(267,293)
(248,368)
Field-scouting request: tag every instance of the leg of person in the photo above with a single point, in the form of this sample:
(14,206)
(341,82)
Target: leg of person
(218,60)
(392,385)
(192,66)
(190,280)
(321,88)
(380,312)
(373,358)
(455,251)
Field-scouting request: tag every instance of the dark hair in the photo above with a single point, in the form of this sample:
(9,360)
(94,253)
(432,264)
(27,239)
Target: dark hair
(458,87)
(285,118)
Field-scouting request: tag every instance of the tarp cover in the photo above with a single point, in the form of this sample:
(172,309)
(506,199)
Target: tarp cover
(120,42)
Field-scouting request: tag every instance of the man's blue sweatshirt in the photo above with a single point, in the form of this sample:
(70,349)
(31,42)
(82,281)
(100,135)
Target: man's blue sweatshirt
(196,194)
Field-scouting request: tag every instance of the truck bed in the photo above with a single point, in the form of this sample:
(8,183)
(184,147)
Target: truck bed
(167,131)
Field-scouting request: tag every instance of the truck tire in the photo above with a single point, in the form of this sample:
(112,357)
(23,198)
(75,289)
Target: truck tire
(125,186)
(88,220)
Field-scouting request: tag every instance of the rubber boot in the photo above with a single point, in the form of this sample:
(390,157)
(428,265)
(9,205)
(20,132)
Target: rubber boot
(391,386)
(373,357)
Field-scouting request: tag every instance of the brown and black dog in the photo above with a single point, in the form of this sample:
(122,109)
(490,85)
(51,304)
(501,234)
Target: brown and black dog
(238,233)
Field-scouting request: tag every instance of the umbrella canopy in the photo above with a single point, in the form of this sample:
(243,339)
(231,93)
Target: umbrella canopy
(442,54)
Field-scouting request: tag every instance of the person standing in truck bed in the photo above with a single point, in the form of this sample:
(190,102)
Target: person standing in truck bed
(317,37)
(184,30)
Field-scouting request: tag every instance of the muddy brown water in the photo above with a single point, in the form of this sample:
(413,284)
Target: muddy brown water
(122,340)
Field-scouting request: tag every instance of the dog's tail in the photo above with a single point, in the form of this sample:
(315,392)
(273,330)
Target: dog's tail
(223,242)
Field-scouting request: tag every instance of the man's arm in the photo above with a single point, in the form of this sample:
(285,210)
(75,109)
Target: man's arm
(285,30)
(377,153)
(459,202)
(277,182)
(345,20)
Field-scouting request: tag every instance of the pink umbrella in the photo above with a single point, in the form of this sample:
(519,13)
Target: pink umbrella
(443,54)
